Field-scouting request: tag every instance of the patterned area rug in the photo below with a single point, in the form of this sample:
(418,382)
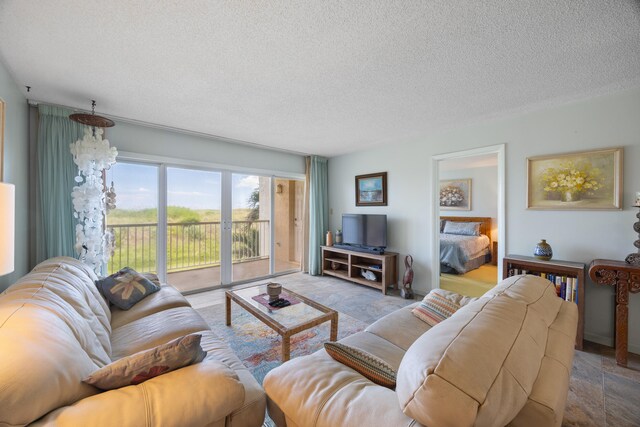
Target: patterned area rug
(259,347)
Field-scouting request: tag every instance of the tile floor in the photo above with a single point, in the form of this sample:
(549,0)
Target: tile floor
(601,393)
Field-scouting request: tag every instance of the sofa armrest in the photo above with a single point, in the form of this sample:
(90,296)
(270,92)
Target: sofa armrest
(194,395)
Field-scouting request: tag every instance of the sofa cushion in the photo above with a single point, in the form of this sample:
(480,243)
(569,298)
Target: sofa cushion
(370,366)
(435,308)
(155,329)
(144,365)
(167,297)
(126,287)
(39,342)
(327,393)
(480,365)
(387,327)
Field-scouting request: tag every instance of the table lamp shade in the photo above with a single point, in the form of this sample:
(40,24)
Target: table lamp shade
(7,227)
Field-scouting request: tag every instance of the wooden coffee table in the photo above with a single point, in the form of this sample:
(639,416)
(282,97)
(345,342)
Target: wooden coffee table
(286,321)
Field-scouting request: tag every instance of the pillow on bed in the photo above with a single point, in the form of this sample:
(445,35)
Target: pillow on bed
(462,228)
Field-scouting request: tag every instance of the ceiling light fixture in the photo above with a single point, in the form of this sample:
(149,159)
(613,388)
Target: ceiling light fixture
(92,119)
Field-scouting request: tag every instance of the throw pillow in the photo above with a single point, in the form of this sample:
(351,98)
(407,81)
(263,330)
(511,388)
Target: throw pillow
(144,365)
(153,277)
(462,228)
(435,308)
(370,366)
(126,287)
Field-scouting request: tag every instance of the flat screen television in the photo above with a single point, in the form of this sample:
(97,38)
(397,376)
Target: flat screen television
(364,230)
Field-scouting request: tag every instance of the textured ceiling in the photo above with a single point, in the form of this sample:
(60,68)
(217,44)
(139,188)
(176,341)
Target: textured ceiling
(323,77)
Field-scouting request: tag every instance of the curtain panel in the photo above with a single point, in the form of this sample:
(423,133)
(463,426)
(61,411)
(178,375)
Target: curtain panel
(318,211)
(55,226)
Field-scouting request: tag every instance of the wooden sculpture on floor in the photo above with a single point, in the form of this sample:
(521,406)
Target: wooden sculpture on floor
(407,280)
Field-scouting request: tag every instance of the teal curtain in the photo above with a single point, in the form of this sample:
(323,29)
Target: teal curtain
(55,227)
(318,211)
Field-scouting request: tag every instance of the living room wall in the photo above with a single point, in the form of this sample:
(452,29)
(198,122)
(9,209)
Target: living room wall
(153,141)
(16,165)
(599,122)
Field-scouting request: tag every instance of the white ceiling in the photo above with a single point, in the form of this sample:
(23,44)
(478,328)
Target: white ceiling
(322,77)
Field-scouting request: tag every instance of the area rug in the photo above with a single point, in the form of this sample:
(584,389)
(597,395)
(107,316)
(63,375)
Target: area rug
(259,347)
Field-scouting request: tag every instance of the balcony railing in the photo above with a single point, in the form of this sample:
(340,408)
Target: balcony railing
(189,245)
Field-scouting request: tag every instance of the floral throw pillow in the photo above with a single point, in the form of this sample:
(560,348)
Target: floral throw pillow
(126,287)
(369,366)
(144,365)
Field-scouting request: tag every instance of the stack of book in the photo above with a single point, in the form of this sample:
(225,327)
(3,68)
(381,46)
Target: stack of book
(566,286)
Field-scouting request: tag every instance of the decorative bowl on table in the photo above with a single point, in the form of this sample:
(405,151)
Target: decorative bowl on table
(274,290)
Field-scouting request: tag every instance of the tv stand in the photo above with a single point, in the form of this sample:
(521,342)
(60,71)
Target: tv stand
(349,264)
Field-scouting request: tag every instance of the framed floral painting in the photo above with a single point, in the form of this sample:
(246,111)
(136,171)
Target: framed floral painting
(455,194)
(575,181)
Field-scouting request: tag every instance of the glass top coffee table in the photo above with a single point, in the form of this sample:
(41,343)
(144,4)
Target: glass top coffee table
(301,315)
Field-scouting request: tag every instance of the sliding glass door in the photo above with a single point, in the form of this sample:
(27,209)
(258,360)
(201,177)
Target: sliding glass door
(200,229)
(250,226)
(134,221)
(288,204)
(193,228)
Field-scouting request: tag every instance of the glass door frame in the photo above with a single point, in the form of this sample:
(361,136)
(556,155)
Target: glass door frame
(226,210)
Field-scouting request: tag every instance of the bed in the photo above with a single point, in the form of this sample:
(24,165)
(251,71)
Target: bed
(461,252)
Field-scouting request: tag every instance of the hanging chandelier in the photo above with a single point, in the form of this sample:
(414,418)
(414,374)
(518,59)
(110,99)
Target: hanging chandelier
(92,155)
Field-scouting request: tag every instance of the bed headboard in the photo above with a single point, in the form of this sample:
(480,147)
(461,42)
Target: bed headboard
(485,222)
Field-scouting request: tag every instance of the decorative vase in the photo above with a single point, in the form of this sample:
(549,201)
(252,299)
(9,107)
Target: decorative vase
(335,266)
(329,238)
(338,237)
(569,196)
(543,251)
(274,290)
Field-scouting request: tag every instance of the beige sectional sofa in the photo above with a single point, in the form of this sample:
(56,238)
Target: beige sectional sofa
(503,359)
(55,329)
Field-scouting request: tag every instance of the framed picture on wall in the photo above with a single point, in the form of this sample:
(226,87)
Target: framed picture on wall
(585,180)
(455,194)
(371,189)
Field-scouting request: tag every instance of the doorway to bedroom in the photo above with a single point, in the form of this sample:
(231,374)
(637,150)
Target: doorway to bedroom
(468,199)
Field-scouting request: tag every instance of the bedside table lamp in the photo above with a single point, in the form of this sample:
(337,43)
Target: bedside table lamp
(7,227)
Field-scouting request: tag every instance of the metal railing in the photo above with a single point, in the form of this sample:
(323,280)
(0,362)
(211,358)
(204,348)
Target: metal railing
(189,245)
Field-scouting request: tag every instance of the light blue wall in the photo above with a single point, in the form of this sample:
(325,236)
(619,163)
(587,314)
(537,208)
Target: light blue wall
(605,121)
(16,168)
(176,145)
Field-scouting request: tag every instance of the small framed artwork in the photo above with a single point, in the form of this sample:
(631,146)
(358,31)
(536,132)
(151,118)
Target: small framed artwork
(585,180)
(371,189)
(455,194)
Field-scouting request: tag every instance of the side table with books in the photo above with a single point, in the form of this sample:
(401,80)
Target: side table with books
(568,276)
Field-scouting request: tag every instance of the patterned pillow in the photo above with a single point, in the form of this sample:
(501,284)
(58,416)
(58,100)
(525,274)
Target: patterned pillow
(126,287)
(463,228)
(435,308)
(144,365)
(370,366)
(153,277)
